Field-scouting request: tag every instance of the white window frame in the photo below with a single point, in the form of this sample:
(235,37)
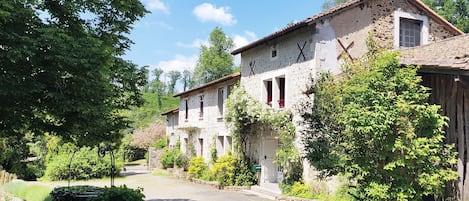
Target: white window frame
(398,14)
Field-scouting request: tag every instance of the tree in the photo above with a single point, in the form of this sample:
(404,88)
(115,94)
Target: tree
(455,11)
(62,71)
(215,61)
(376,124)
(174,76)
(331,3)
(187,79)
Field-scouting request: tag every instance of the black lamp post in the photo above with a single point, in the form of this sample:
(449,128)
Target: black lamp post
(102,152)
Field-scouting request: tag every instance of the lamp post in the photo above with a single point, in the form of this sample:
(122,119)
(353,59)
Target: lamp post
(102,152)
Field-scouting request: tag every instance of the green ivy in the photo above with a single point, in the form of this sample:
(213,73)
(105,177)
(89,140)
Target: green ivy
(244,113)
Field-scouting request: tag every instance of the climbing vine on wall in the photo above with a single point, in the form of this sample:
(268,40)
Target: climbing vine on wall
(244,113)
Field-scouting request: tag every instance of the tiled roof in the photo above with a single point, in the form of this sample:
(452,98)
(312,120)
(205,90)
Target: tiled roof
(172,111)
(335,11)
(452,53)
(228,77)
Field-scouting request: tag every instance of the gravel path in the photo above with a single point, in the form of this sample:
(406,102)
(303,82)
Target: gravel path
(164,188)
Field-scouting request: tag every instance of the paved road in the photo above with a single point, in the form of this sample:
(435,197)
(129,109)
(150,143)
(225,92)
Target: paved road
(164,188)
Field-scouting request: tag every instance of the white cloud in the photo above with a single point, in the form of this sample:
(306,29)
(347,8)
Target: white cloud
(208,12)
(150,24)
(197,43)
(242,40)
(179,63)
(154,5)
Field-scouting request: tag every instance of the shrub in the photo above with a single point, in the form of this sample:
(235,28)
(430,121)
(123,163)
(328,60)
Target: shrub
(86,164)
(197,167)
(300,190)
(224,170)
(244,176)
(121,193)
(168,158)
(181,160)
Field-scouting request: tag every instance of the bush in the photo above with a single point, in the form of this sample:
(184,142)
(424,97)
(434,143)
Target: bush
(224,170)
(168,158)
(244,176)
(86,164)
(181,160)
(197,167)
(300,190)
(121,193)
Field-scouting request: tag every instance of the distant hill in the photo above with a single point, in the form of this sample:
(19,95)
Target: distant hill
(150,111)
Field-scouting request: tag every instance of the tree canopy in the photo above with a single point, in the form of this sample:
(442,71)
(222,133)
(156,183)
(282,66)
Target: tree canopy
(61,68)
(215,61)
(455,11)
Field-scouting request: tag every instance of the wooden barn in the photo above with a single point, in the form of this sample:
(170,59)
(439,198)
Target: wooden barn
(445,70)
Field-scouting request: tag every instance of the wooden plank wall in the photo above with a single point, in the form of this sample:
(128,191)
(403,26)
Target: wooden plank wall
(452,93)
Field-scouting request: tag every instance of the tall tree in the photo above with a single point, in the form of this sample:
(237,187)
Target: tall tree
(174,76)
(61,71)
(215,61)
(187,79)
(157,72)
(331,3)
(455,11)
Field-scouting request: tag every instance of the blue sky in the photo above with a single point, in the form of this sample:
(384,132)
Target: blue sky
(171,35)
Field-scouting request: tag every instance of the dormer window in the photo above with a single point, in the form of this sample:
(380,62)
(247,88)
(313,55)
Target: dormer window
(410,29)
(410,32)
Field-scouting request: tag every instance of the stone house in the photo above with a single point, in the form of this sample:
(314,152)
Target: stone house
(198,123)
(278,68)
(444,67)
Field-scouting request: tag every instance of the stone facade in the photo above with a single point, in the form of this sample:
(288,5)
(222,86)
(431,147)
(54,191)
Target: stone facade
(296,54)
(200,119)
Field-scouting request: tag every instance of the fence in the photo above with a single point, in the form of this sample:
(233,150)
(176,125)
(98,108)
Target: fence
(6,177)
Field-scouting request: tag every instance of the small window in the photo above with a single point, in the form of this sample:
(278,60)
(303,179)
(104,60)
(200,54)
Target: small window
(187,109)
(410,32)
(220,100)
(274,53)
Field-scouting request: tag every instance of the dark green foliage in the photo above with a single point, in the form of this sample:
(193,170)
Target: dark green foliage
(62,71)
(181,160)
(121,193)
(243,174)
(378,129)
(455,11)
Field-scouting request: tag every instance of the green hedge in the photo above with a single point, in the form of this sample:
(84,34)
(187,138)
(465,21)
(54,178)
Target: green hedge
(86,164)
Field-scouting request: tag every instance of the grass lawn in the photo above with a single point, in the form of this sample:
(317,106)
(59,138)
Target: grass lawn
(29,192)
(137,162)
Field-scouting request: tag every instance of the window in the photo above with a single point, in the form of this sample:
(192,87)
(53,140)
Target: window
(201,107)
(220,146)
(409,32)
(281,88)
(220,101)
(268,87)
(410,29)
(274,53)
(187,109)
(201,145)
